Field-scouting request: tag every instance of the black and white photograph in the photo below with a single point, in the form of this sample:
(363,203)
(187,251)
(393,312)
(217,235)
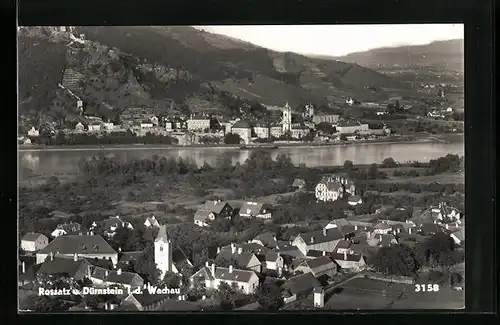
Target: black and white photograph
(260,168)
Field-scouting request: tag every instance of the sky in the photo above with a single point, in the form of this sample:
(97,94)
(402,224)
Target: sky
(338,40)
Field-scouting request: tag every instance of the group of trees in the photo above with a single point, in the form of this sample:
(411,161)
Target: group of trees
(103,139)
(438,251)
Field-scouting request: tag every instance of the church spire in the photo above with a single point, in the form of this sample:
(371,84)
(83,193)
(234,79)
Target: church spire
(162,234)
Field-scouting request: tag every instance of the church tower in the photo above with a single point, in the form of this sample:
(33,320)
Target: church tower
(287,118)
(163,251)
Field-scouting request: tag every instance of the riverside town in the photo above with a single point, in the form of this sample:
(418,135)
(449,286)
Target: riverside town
(182,169)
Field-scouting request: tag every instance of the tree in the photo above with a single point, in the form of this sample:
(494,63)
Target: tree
(225,296)
(389,163)
(438,250)
(232,138)
(146,266)
(325,127)
(348,164)
(343,137)
(46,304)
(269,296)
(396,260)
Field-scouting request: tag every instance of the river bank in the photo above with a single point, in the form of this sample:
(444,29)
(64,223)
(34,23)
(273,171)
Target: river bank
(438,138)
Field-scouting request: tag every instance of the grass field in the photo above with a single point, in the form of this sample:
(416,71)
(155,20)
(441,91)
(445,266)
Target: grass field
(445,178)
(361,293)
(407,193)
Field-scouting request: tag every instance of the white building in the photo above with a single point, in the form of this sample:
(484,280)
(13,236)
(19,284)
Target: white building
(212,277)
(244,130)
(261,131)
(286,122)
(94,127)
(33,132)
(327,190)
(350,129)
(32,242)
(151,222)
(276,131)
(163,252)
(198,124)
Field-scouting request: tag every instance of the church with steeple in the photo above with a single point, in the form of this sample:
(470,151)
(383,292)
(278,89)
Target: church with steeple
(286,122)
(168,259)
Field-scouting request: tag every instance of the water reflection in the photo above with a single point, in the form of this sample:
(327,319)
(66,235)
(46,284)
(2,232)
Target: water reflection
(52,162)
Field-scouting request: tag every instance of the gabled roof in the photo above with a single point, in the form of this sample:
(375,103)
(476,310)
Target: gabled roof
(202,215)
(268,257)
(178,256)
(247,247)
(130,256)
(346,257)
(222,273)
(354,198)
(318,262)
(331,186)
(242,259)
(343,244)
(385,240)
(106,264)
(321,236)
(459,233)
(31,236)
(242,125)
(124,278)
(60,265)
(252,208)
(146,299)
(301,283)
(430,228)
(75,244)
(70,227)
(314,253)
(215,206)
(267,239)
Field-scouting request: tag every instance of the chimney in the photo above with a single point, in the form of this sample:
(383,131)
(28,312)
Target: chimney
(119,271)
(409,231)
(274,237)
(75,257)
(51,256)
(345,255)
(447,227)
(324,231)
(233,248)
(240,250)
(230,269)
(380,239)
(106,273)
(119,249)
(399,230)
(312,240)
(324,253)
(23,267)
(218,250)
(213,269)
(355,227)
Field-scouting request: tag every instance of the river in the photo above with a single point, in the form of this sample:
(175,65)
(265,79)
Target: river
(65,161)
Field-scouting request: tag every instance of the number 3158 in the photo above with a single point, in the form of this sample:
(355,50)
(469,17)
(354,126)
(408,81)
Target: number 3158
(426,287)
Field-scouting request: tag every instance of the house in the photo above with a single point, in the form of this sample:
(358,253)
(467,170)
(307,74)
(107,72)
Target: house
(382,228)
(213,276)
(169,126)
(75,268)
(240,259)
(382,240)
(299,183)
(94,127)
(68,228)
(144,301)
(79,127)
(151,222)
(299,287)
(146,125)
(324,240)
(320,266)
(33,132)
(300,131)
(349,261)
(266,239)
(85,246)
(458,235)
(198,123)
(212,210)
(338,223)
(328,191)
(342,246)
(110,225)
(32,242)
(351,128)
(272,261)
(243,129)
(104,277)
(255,210)
(324,118)
(276,131)
(430,228)
(250,247)
(262,131)
(354,200)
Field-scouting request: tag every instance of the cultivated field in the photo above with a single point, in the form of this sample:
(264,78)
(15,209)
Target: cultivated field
(445,178)
(361,293)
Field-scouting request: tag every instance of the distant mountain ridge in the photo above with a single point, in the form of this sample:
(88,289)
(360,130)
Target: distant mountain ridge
(179,68)
(448,54)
